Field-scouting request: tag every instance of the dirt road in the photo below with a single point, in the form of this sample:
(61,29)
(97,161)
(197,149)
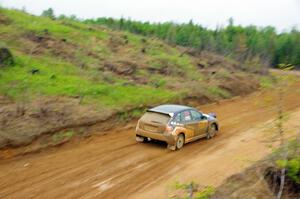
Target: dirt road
(115,166)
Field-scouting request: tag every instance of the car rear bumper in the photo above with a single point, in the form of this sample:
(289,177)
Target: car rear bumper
(166,136)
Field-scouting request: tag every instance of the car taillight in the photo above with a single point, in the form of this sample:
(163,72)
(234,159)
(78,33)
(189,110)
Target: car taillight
(137,125)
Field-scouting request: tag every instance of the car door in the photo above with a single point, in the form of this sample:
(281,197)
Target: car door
(190,124)
(201,123)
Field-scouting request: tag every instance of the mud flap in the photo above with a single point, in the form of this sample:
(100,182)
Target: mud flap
(139,139)
(172,147)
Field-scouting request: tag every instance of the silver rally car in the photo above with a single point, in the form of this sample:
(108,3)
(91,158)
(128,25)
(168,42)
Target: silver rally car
(176,125)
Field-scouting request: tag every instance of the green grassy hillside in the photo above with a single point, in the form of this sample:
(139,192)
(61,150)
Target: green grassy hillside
(113,69)
(70,58)
(62,66)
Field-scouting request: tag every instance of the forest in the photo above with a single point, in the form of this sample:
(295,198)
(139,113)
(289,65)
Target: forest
(245,44)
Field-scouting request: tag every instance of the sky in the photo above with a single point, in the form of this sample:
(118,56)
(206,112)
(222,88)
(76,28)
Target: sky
(283,14)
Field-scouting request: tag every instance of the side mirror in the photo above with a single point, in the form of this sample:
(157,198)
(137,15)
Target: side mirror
(212,115)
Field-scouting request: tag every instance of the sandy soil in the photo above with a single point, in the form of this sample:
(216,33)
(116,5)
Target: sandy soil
(115,166)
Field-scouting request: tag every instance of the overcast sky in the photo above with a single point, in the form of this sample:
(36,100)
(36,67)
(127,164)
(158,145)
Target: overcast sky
(283,14)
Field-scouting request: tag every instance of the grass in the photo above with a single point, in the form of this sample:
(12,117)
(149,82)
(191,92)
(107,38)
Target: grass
(205,193)
(292,162)
(198,193)
(131,114)
(60,136)
(73,30)
(266,82)
(158,81)
(61,78)
(216,91)
(58,76)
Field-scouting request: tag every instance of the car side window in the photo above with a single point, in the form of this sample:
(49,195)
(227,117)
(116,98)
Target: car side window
(187,116)
(177,118)
(196,115)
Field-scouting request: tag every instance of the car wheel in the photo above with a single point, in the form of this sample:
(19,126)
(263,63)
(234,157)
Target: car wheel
(180,141)
(211,131)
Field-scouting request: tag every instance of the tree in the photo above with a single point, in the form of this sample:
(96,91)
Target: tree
(230,22)
(171,34)
(74,17)
(62,17)
(282,80)
(240,47)
(48,13)
(243,43)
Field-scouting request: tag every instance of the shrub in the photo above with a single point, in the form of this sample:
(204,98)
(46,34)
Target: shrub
(292,166)
(60,136)
(48,13)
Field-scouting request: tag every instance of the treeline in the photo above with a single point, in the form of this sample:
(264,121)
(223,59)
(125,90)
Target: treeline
(242,43)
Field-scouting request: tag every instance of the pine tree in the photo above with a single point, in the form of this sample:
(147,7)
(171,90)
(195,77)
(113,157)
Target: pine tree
(48,13)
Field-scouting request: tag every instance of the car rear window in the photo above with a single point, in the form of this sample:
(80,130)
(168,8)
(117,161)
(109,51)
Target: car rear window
(155,117)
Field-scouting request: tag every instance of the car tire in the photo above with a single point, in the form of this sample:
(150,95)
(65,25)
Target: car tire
(180,141)
(211,131)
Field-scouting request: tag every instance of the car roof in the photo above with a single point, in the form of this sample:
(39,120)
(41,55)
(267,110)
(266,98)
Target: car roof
(170,108)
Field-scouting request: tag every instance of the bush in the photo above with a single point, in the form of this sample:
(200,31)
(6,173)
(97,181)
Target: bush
(205,193)
(292,166)
(193,189)
(48,13)
(61,136)
(6,58)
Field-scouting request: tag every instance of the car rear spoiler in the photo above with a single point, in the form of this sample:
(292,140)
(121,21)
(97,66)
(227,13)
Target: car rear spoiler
(165,113)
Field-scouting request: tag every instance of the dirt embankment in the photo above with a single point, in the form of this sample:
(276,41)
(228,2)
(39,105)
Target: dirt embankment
(21,124)
(36,122)
(115,166)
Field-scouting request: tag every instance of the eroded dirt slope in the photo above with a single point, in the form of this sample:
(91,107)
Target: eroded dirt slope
(115,166)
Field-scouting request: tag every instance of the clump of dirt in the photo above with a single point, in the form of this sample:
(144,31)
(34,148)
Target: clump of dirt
(125,68)
(258,181)
(192,52)
(166,68)
(207,60)
(6,57)
(116,41)
(248,184)
(140,80)
(196,100)
(224,73)
(38,44)
(210,60)
(21,124)
(58,47)
(239,85)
